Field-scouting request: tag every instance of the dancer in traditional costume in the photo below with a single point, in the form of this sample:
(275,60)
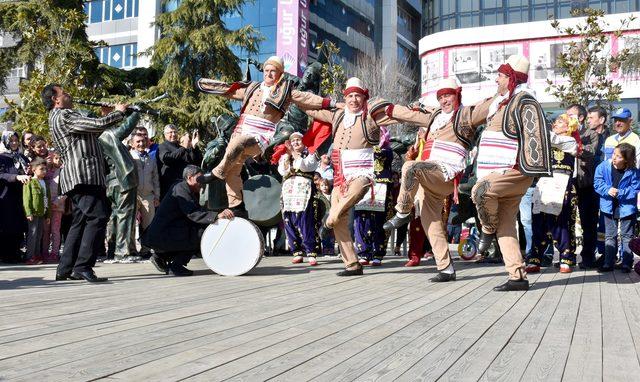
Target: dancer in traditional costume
(299,203)
(555,198)
(443,142)
(263,105)
(371,212)
(356,130)
(514,147)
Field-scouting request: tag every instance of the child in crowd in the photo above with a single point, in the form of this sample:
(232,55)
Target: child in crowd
(51,233)
(38,148)
(36,203)
(617,181)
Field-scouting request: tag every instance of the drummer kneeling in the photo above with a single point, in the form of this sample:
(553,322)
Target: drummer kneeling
(174,234)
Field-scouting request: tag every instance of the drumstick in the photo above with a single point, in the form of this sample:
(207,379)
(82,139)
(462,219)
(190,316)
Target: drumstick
(219,237)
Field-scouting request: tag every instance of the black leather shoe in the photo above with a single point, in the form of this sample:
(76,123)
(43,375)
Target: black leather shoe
(513,285)
(604,269)
(351,272)
(485,241)
(442,277)
(396,222)
(87,276)
(160,264)
(176,269)
(60,277)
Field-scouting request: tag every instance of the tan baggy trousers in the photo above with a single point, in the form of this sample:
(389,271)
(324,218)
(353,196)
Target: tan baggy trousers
(239,149)
(338,218)
(429,176)
(497,199)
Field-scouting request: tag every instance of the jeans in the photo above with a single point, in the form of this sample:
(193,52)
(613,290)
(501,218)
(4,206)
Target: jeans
(627,225)
(525,217)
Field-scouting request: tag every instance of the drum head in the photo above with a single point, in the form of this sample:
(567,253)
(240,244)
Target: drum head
(261,195)
(232,247)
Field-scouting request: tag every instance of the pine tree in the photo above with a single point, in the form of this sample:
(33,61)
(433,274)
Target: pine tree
(195,43)
(51,41)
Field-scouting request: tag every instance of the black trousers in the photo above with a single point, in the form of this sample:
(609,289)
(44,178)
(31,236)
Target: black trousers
(588,206)
(90,209)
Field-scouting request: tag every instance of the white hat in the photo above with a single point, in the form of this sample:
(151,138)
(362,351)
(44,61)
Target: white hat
(355,85)
(519,63)
(275,61)
(448,83)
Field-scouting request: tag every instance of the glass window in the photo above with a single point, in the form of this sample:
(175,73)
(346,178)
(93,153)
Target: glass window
(491,18)
(514,15)
(619,6)
(541,13)
(127,55)
(268,12)
(137,6)
(116,57)
(492,4)
(469,5)
(134,52)
(96,11)
(118,9)
(107,10)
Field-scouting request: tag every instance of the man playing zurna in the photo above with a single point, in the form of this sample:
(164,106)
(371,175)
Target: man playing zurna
(514,147)
(263,105)
(443,142)
(356,130)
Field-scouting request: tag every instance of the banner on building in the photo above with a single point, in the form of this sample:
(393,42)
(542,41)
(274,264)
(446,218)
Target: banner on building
(293,35)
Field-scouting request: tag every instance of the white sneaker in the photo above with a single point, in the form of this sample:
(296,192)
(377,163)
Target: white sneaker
(312,261)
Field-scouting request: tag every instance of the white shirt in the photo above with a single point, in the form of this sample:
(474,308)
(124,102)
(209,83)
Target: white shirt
(350,118)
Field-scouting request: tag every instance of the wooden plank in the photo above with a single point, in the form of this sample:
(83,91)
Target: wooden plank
(619,358)
(180,323)
(178,337)
(512,360)
(321,357)
(473,363)
(585,355)
(549,360)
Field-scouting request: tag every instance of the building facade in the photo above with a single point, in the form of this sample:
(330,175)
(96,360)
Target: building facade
(472,55)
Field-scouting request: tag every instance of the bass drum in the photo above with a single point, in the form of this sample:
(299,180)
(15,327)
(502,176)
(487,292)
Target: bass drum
(232,247)
(261,195)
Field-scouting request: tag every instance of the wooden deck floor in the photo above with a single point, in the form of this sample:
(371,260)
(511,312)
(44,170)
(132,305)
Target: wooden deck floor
(291,323)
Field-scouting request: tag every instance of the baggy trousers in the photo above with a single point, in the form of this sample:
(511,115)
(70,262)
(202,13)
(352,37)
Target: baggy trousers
(338,219)
(497,199)
(301,229)
(429,176)
(239,149)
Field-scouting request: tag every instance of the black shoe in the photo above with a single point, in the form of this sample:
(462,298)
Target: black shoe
(60,277)
(160,264)
(396,222)
(87,276)
(351,272)
(584,265)
(546,261)
(485,241)
(625,269)
(604,269)
(513,285)
(179,270)
(442,277)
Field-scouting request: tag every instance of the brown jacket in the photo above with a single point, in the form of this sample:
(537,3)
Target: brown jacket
(250,93)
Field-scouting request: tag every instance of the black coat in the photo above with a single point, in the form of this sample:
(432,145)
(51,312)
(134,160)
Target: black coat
(12,219)
(179,221)
(172,159)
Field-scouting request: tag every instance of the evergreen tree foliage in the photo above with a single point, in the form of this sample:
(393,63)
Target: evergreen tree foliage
(195,43)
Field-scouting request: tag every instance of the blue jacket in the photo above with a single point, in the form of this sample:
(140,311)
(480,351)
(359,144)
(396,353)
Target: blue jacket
(627,189)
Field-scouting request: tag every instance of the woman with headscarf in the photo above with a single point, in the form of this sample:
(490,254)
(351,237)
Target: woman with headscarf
(13,173)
